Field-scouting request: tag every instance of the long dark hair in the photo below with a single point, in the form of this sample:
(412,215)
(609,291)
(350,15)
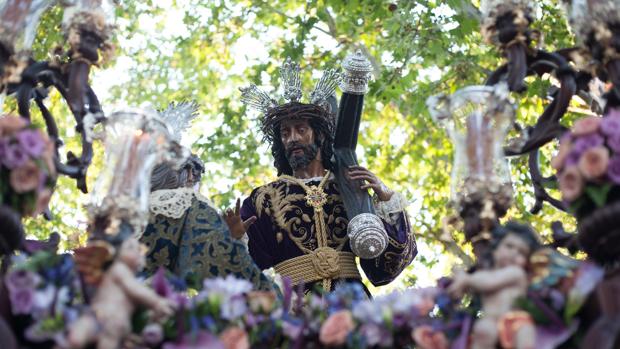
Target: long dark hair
(321,122)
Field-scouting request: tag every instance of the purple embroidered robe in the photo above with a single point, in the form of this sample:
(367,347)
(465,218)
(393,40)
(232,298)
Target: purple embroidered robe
(286,227)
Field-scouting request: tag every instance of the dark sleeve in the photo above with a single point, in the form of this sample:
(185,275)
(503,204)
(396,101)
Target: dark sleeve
(397,256)
(261,238)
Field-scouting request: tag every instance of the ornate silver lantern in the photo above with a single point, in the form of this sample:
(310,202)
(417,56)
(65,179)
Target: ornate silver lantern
(356,74)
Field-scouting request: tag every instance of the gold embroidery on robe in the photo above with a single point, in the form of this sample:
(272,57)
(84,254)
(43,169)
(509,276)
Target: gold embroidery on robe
(290,213)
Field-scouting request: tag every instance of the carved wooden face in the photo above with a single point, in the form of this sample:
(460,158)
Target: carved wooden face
(298,138)
(512,250)
(296,131)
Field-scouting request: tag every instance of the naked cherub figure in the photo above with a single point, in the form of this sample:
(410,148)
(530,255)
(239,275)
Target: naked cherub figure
(117,295)
(499,287)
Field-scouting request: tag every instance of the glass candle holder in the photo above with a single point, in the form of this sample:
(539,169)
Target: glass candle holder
(477,119)
(18,23)
(135,141)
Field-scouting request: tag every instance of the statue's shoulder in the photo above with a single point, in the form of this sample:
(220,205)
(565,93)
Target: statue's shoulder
(262,197)
(268,188)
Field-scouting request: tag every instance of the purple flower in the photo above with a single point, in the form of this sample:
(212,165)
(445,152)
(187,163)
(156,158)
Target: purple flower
(557,299)
(229,292)
(291,330)
(584,143)
(420,299)
(613,169)
(4,144)
(376,335)
(610,126)
(70,315)
(22,300)
(152,334)
(160,284)
(588,276)
(31,142)
(548,337)
(20,279)
(572,159)
(614,143)
(233,307)
(613,113)
(368,311)
(14,156)
(43,299)
(181,300)
(287,291)
(201,340)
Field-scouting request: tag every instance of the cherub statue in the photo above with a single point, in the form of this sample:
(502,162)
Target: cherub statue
(118,292)
(499,287)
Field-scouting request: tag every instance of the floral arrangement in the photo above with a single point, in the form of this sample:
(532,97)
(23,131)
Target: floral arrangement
(45,299)
(588,163)
(45,295)
(27,170)
(226,313)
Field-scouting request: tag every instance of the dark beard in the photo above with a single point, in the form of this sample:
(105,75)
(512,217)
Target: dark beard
(300,161)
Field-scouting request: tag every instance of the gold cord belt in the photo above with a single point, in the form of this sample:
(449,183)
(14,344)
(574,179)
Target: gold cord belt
(324,263)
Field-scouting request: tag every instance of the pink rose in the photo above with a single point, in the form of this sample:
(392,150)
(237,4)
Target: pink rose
(426,338)
(586,125)
(43,199)
(557,162)
(235,338)
(10,124)
(25,178)
(593,162)
(336,328)
(571,183)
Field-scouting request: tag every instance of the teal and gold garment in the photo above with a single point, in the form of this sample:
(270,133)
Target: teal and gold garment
(188,237)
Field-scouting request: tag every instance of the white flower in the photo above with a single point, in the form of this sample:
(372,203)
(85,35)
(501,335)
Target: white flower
(228,287)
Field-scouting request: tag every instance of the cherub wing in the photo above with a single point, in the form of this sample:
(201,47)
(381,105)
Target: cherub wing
(92,259)
(548,268)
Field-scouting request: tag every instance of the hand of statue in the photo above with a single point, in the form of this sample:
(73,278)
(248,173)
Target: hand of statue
(163,308)
(236,225)
(371,182)
(458,286)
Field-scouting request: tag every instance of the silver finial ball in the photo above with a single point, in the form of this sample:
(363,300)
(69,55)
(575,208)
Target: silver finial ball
(367,236)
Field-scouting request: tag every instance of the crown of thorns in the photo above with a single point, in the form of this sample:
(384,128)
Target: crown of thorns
(274,113)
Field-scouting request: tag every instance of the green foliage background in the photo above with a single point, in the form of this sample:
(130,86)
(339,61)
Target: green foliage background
(204,50)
